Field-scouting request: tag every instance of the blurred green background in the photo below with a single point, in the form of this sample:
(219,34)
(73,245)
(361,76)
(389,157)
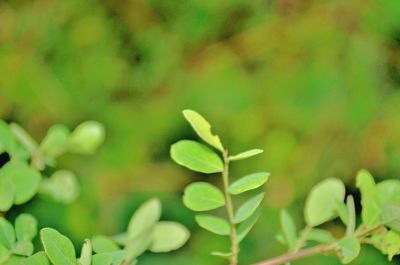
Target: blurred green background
(316,84)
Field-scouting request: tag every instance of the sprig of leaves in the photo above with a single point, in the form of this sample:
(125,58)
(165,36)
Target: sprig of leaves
(203,196)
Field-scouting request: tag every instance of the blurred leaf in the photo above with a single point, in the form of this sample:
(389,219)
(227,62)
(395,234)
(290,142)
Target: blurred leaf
(25,227)
(371,208)
(391,216)
(245,227)
(103,244)
(289,229)
(213,224)
(248,182)
(196,156)
(7,140)
(55,142)
(342,211)
(320,236)
(62,186)
(108,258)
(248,208)
(392,244)
(86,253)
(322,200)
(120,239)
(7,234)
(168,236)
(23,248)
(39,258)
(389,191)
(203,128)
(225,255)
(246,154)
(349,249)
(86,137)
(6,194)
(144,219)
(59,248)
(352,215)
(202,196)
(137,245)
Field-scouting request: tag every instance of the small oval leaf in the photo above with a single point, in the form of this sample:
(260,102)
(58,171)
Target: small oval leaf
(25,227)
(58,248)
(168,236)
(202,196)
(213,224)
(246,154)
(248,208)
(144,219)
(248,182)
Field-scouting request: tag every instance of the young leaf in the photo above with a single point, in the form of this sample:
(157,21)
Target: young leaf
(86,137)
(391,243)
(58,248)
(202,196)
(245,227)
(352,215)
(203,128)
(391,216)
(23,248)
(103,244)
(213,224)
(62,186)
(289,229)
(86,253)
(6,194)
(348,249)
(39,258)
(168,236)
(144,219)
(24,179)
(343,212)
(196,157)
(320,236)
(321,202)
(248,208)
(55,142)
(371,208)
(248,182)
(7,234)
(246,154)
(25,227)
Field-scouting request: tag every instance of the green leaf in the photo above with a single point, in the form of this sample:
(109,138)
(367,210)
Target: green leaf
(103,244)
(23,248)
(225,255)
(27,141)
(39,258)
(389,191)
(24,179)
(391,243)
(391,216)
(245,227)
(343,212)
(348,249)
(352,215)
(203,128)
(136,246)
(120,239)
(4,252)
(248,208)
(109,258)
(246,154)
(289,229)
(371,207)
(213,224)
(6,194)
(320,236)
(86,137)
(196,157)
(25,227)
(144,219)
(59,248)
(86,253)
(321,202)
(55,142)
(62,186)
(248,182)
(202,196)
(168,236)
(7,140)
(7,234)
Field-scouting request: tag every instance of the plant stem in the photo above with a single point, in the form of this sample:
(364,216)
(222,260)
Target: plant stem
(230,211)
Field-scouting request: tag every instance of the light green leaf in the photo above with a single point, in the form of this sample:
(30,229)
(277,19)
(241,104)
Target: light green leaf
(144,219)
(321,202)
(348,249)
(196,157)
(371,207)
(248,208)
(39,258)
(352,215)
(248,182)
(391,243)
(203,128)
(23,248)
(7,140)
(343,212)
(103,244)
(4,252)
(86,137)
(289,229)
(245,227)
(27,141)
(86,253)
(7,234)
(391,216)
(202,196)
(6,194)
(136,246)
(24,179)
(246,154)
(25,227)
(168,236)
(320,236)
(389,191)
(15,260)
(213,224)
(62,186)
(104,258)
(55,142)
(120,239)
(58,248)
